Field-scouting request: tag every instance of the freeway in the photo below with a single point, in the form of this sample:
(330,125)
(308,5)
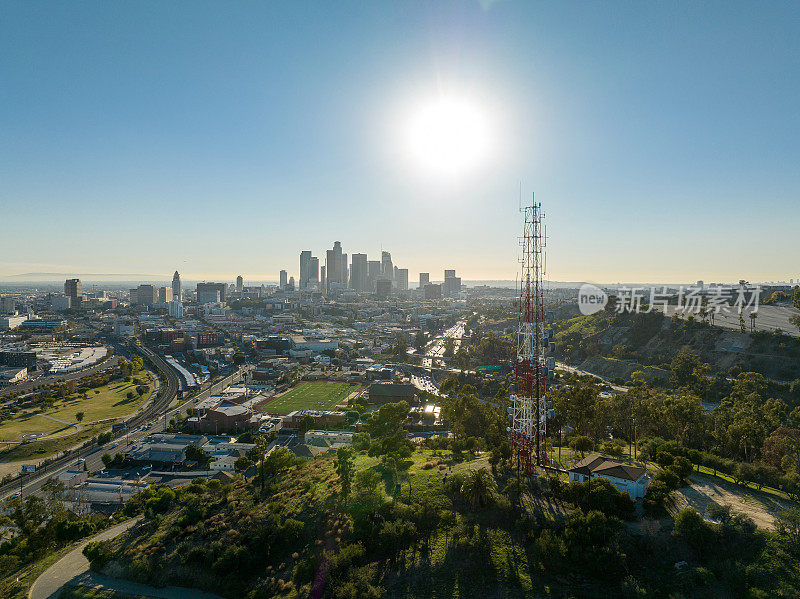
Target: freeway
(574,370)
(153,419)
(436,347)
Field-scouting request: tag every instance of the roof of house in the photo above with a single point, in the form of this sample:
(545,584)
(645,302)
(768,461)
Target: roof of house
(600,465)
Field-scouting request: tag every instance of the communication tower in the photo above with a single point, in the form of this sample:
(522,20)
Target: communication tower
(529,406)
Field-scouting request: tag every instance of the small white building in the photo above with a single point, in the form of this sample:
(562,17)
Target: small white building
(223,461)
(627,478)
(333,439)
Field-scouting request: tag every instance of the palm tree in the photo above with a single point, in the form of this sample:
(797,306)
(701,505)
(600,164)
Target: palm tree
(753,316)
(478,488)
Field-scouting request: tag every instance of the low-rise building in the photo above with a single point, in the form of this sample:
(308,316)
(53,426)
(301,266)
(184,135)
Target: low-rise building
(164,448)
(633,480)
(384,392)
(13,374)
(332,439)
(321,417)
(12,321)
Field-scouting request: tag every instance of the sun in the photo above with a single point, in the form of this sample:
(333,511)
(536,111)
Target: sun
(448,136)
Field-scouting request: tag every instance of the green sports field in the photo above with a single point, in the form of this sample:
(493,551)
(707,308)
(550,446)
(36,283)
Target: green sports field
(310,396)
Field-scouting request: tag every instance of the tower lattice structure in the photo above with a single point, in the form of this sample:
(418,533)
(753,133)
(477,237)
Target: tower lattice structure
(528,409)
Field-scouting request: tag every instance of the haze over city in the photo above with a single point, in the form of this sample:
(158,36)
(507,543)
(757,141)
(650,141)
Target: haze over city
(141,138)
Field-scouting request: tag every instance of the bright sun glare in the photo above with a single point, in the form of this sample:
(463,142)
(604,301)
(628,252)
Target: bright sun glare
(448,136)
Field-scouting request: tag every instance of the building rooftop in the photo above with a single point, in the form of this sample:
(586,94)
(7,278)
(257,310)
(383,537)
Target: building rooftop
(596,465)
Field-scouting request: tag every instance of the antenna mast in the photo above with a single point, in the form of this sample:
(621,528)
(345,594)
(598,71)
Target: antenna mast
(529,407)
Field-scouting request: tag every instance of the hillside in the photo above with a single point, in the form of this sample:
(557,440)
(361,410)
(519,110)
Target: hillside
(653,340)
(454,530)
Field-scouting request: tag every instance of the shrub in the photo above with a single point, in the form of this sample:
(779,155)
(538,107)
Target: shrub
(681,467)
(97,553)
(669,478)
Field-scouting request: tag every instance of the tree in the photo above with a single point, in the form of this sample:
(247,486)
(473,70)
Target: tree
(581,443)
(343,466)
(401,345)
(689,526)
(682,467)
(367,495)
(795,320)
(449,385)
(388,439)
(275,464)
(194,453)
(307,423)
(478,488)
(79,416)
(242,463)
(788,524)
(107,459)
(449,347)
(239,358)
(420,341)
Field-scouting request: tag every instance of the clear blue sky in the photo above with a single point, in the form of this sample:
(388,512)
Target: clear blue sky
(222,138)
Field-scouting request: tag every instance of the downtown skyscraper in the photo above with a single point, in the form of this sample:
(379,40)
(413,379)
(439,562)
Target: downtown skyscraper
(358,273)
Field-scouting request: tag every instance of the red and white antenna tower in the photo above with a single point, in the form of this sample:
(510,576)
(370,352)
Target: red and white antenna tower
(529,407)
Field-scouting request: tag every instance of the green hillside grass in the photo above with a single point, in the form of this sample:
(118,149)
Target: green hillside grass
(441,534)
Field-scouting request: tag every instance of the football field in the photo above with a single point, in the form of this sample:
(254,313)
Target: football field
(310,396)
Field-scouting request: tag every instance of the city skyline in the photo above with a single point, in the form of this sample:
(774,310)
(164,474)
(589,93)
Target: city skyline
(662,148)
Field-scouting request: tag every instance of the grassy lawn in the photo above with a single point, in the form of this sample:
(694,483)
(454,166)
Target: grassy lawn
(111,402)
(310,396)
(41,448)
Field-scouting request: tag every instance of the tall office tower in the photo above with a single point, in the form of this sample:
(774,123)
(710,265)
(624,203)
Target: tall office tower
(176,287)
(8,305)
(284,279)
(313,273)
(402,279)
(305,268)
(73,290)
(291,283)
(239,284)
(335,266)
(383,288)
(373,273)
(208,293)
(387,269)
(358,272)
(424,279)
(345,272)
(322,279)
(164,295)
(452,284)
(432,291)
(146,295)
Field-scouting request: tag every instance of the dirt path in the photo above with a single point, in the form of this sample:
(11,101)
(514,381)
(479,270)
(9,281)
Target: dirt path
(73,570)
(704,490)
(71,565)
